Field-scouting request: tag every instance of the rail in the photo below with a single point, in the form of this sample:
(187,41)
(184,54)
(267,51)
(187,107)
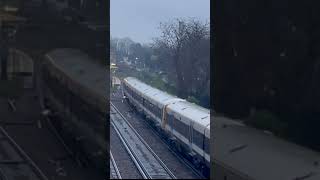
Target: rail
(176,154)
(114,171)
(23,159)
(148,163)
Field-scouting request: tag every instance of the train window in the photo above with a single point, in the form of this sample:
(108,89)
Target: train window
(149,106)
(198,139)
(181,128)
(171,120)
(156,111)
(159,112)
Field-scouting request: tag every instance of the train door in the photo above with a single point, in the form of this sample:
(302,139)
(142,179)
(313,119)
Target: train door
(170,122)
(189,135)
(166,120)
(206,141)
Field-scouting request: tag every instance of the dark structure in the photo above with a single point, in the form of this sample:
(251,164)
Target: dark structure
(74,87)
(64,25)
(266,57)
(50,25)
(8,26)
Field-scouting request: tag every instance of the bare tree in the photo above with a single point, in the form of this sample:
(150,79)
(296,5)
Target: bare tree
(182,40)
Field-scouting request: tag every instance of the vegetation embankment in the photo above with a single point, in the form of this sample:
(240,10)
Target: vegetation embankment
(178,61)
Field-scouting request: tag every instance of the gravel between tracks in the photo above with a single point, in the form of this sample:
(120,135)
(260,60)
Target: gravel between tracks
(126,166)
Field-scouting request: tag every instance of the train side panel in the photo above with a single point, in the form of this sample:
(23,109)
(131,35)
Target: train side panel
(189,137)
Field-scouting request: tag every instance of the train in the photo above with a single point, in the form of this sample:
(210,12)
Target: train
(74,88)
(242,152)
(185,125)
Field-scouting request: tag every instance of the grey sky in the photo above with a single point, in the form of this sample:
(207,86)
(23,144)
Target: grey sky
(139,19)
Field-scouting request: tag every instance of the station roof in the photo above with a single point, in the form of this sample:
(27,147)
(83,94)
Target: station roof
(261,155)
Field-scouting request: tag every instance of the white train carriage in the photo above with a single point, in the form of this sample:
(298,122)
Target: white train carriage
(147,99)
(190,125)
(186,124)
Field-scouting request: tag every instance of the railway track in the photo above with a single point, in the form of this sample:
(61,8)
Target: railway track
(148,163)
(114,171)
(14,162)
(178,156)
(169,146)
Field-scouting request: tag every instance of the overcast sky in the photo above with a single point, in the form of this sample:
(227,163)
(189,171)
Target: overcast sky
(139,19)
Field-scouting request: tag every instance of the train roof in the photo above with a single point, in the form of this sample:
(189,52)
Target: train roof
(81,68)
(200,115)
(260,155)
(151,92)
